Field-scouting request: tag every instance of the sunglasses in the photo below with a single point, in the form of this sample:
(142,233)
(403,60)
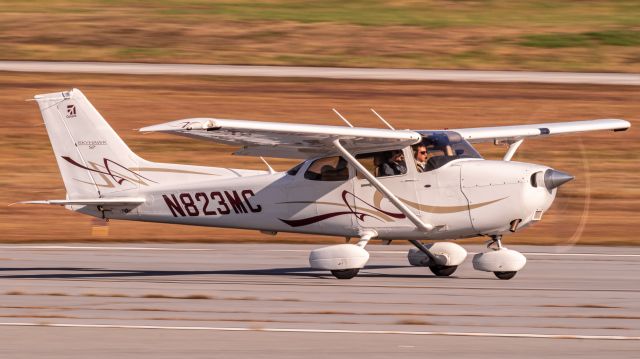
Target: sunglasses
(423,152)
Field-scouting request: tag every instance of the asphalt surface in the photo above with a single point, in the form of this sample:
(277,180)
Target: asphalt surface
(323,72)
(262,301)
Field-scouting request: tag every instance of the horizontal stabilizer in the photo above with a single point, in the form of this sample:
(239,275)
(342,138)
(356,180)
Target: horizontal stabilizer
(112,202)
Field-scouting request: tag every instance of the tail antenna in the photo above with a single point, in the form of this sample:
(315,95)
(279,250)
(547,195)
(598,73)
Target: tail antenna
(382,119)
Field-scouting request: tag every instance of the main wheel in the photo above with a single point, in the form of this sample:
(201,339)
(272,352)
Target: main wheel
(345,273)
(505,275)
(443,271)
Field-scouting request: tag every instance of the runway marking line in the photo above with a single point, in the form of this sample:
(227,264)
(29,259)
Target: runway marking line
(110,248)
(328,331)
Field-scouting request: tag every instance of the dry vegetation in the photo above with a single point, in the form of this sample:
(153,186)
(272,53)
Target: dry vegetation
(543,35)
(607,165)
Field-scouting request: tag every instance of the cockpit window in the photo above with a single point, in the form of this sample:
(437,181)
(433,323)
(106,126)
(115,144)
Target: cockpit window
(383,164)
(444,147)
(328,169)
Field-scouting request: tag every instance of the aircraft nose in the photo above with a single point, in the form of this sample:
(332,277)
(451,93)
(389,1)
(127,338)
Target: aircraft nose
(553,178)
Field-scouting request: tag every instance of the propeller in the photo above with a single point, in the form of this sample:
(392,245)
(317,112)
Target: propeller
(582,223)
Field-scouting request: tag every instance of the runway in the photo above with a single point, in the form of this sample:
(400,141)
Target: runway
(262,300)
(323,72)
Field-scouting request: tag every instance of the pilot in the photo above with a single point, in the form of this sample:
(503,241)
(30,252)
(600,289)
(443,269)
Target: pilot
(394,166)
(421,157)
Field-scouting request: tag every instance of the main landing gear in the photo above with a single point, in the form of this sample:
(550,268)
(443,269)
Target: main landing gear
(442,258)
(344,261)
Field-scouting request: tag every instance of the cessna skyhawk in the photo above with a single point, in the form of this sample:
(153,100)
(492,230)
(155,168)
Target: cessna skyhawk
(352,182)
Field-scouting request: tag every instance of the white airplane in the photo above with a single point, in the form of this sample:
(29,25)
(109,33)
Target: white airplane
(352,182)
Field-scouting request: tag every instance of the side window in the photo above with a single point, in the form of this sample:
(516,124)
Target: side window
(328,169)
(383,164)
(294,170)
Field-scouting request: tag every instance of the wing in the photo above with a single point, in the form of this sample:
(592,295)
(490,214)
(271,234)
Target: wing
(286,140)
(514,133)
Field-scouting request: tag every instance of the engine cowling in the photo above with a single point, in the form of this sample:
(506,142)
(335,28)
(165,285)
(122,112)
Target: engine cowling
(501,260)
(338,257)
(447,253)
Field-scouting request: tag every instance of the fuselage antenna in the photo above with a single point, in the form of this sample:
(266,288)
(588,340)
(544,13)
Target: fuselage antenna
(382,119)
(269,168)
(342,117)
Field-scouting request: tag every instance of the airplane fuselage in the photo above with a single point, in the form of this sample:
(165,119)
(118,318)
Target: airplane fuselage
(464,198)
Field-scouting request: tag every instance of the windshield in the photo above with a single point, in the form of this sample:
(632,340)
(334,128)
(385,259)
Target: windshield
(443,147)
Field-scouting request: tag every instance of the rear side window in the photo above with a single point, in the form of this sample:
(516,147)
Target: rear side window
(328,169)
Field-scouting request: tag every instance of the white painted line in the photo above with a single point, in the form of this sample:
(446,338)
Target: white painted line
(329,331)
(102,248)
(323,72)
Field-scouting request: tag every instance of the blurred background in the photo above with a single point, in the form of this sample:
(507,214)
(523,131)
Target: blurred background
(602,206)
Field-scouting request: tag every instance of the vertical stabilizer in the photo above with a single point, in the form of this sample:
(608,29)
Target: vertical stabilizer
(93,159)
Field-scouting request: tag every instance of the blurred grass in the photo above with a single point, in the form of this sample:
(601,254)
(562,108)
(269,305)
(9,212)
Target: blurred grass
(602,35)
(587,39)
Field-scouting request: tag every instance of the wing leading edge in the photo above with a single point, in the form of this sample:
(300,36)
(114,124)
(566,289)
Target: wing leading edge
(286,140)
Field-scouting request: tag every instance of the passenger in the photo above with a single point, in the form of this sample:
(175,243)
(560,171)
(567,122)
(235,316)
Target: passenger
(394,166)
(420,152)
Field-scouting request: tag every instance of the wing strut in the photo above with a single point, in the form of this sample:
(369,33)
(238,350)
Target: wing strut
(424,227)
(513,147)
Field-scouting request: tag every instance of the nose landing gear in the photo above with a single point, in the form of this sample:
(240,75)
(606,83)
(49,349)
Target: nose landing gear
(503,262)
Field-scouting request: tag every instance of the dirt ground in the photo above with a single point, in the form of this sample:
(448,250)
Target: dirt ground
(601,206)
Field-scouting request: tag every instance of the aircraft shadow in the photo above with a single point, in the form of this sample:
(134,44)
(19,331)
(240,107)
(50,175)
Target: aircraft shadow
(85,273)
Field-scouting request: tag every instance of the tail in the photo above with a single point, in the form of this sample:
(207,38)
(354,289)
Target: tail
(93,160)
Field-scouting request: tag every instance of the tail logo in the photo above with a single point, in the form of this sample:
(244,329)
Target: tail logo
(71,111)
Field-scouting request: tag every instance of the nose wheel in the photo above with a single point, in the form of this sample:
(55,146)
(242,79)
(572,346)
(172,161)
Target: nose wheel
(495,243)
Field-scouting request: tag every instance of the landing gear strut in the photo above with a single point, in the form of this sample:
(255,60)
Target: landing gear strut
(496,240)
